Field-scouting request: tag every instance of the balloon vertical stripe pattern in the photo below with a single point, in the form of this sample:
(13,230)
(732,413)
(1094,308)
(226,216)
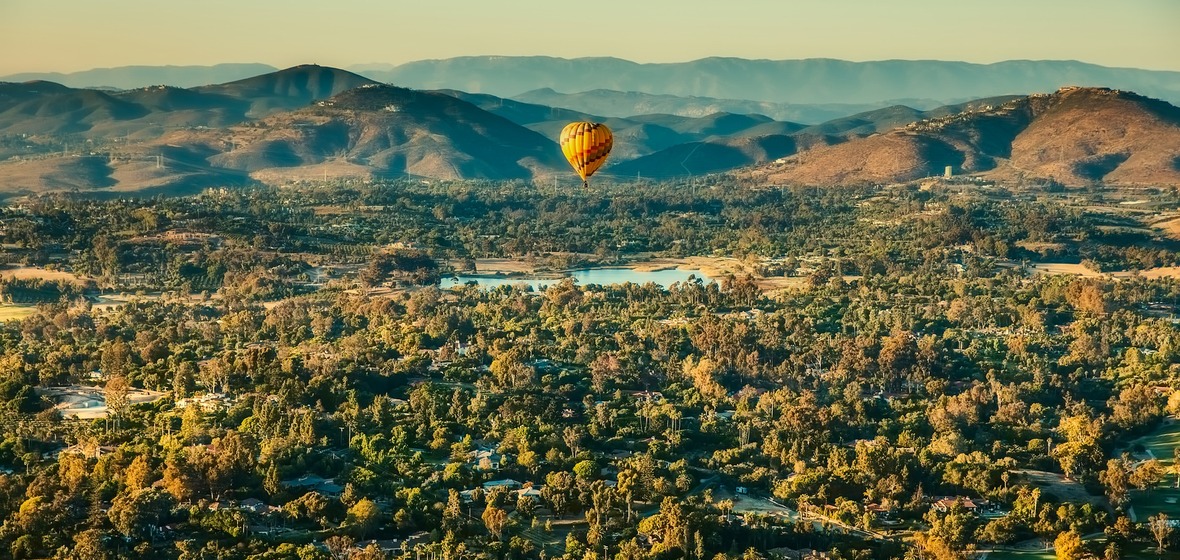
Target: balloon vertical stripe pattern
(586,145)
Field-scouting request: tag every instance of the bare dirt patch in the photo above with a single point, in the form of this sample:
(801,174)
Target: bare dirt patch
(713,267)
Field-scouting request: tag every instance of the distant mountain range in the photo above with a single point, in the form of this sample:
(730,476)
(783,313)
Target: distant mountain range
(810,81)
(613,103)
(922,84)
(131,77)
(311,122)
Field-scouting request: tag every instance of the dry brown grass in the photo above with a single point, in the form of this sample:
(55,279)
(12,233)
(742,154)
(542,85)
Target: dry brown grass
(1064,268)
(1040,246)
(337,210)
(1138,138)
(1170,227)
(1076,136)
(1058,485)
(331,170)
(713,267)
(140,174)
(1160,272)
(9,312)
(1079,270)
(882,158)
(55,173)
(503,266)
(29,272)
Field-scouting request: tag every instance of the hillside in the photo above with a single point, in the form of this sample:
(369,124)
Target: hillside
(384,130)
(717,154)
(230,134)
(1075,136)
(520,112)
(1085,135)
(696,158)
(309,122)
(39,107)
(49,108)
(290,88)
(882,158)
(635,136)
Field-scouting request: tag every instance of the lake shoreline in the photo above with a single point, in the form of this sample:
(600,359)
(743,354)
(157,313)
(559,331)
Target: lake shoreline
(603,275)
(712,267)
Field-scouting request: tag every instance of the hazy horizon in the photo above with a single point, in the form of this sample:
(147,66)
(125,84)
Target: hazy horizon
(377,64)
(69,36)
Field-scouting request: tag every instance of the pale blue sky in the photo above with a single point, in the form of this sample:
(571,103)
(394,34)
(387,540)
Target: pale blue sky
(70,35)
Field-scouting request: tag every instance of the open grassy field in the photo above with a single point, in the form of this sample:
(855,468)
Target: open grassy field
(1159,499)
(11,312)
(1134,551)
(1057,485)
(1022,555)
(29,272)
(503,266)
(1063,268)
(1162,443)
(1148,552)
(1158,272)
(1170,227)
(1075,269)
(1164,498)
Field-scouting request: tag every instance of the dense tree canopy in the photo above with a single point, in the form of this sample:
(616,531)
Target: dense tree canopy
(290,375)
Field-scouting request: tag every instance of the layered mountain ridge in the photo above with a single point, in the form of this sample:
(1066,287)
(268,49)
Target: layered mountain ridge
(314,122)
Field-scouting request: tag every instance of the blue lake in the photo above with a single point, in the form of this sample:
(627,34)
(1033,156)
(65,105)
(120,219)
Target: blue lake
(603,276)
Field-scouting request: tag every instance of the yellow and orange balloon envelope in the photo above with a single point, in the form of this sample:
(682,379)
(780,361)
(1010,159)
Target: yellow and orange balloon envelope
(586,145)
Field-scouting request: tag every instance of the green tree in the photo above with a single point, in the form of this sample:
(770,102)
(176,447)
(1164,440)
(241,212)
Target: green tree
(134,512)
(1148,474)
(117,396)
(1068,546)
(586,470)
(1116,478)
(88,545)
(1161,530)
(271,482)
(495,519)
(139,473)
(558,491)
(363,517)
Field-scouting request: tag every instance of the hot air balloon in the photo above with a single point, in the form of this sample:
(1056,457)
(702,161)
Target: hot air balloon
(586,145)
